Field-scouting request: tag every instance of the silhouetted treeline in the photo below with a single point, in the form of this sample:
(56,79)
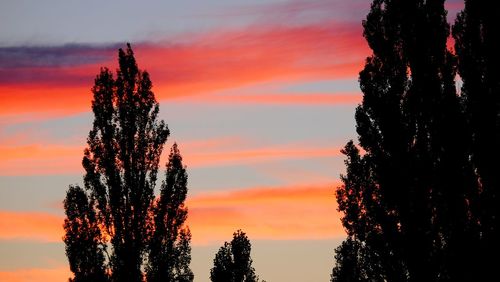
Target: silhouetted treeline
(421,203)
(115,228)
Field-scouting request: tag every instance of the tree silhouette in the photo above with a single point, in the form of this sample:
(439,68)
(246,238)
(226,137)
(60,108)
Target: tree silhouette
(170,251)
(408,200)
(232,262)
(121,164)
(476,32)
(83,238)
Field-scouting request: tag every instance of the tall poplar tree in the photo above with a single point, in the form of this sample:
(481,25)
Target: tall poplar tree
(408,200)
(121,164)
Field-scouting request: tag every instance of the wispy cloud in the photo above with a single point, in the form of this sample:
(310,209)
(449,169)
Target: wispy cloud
(258,155)
(297,11)
(32,226)
(306,212)
(57,80)
(39,159)
(60,273)
(268,213)
(70,55)
(283,99)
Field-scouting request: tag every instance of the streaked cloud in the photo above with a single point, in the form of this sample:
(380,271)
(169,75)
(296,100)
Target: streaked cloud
(57,80)
(60,273)
(31,226)
(42,159)
(309,99)
(268,213)
(257,155)
(297,11)
(69,55)
(32,102)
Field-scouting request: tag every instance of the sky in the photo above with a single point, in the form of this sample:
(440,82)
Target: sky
(259,95)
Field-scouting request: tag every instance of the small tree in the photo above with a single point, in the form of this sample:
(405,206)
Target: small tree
(232,262)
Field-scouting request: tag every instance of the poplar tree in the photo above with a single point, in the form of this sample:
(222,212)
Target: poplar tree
(117,211)
(408,199)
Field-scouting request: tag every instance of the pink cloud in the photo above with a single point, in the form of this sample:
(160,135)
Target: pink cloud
(202,64)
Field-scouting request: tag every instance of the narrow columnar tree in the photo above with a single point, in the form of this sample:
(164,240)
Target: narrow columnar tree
(169,247)
(121,162)
(233,262)
(408,200)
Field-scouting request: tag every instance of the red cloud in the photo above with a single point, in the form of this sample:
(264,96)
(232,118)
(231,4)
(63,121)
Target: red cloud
(203,64)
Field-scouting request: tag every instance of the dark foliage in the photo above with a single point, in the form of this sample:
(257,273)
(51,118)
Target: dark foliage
(83,238)
(232,262)
(353,263)
(121,164)
(169,249)
(410,201)
(476,33)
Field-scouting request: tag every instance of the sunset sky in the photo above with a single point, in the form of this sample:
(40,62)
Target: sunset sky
(259,95)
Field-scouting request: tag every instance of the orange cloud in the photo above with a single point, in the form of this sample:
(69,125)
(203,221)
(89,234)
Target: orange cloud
(35,226)
(279,213)
(203,64)
(38,159)
(43,100)
(267,213)
(256,155)
(36,274)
